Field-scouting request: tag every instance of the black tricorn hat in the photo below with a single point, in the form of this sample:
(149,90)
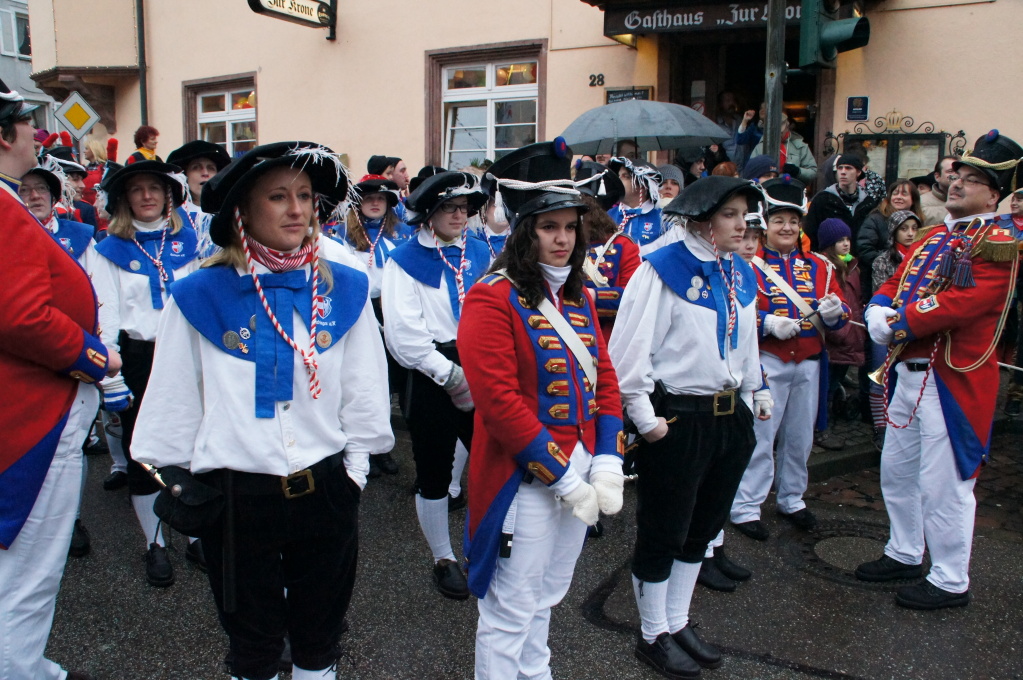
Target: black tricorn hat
(433,191)
(114,184)
(927,179)
(424,172)
(604,185)
(64,153)
(704,197)
(13,106)
(540,162)
(227,188)
(785,193)
(998,157)
(379,186)
(186,153)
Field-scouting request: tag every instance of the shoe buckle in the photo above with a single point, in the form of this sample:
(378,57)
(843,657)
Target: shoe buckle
(724,403)
(299,484)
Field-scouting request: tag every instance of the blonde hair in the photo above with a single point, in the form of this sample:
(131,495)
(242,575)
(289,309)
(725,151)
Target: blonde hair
(121,221)
(98,149)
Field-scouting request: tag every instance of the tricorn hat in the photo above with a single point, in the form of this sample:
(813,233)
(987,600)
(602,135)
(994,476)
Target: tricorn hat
(704,197)
(534,179)
(228,187)
(374,185)
(603,185)
(424,172)
(432,191)
(998,157)
(785,193)
(186,153)
(114,184)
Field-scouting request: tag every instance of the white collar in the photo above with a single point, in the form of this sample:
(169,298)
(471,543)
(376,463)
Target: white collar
(427,238)
(155,225)
(555,276)
(701,247)
(951,222)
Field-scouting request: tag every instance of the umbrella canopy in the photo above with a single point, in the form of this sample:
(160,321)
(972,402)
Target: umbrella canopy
(655,126)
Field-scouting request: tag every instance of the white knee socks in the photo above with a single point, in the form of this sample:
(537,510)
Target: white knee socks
(461,456)
(433,518)
(651,600)
(680,593)
(147,518)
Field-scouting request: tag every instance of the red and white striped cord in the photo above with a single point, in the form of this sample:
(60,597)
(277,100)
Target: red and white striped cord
(308,356)
(729,286)
(919,397)
(459,271)
(158,260)
(373,245)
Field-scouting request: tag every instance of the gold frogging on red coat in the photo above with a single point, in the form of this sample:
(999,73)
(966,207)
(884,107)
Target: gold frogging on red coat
(559,411)
(556,365)
(541,472)
(539,322)
(549,342)
(558,388)
(556,453)
(578,320)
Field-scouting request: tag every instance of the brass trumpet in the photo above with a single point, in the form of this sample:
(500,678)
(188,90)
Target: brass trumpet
(877,375)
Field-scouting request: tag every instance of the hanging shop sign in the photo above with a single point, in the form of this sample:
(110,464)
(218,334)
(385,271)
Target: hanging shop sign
(690,18)
(305,12)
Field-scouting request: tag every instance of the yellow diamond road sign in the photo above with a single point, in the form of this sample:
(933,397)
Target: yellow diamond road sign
(76,115)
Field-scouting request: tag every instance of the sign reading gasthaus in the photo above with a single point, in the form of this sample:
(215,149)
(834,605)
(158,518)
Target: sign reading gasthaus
(305,12)
(702,17)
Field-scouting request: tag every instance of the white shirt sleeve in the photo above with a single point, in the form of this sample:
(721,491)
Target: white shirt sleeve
(406,330)
(107,283)
(635,337)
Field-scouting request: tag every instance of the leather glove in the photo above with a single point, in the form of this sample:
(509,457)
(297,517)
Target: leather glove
(762,404)
(609,487)
(781,327)
(583,501)
(877,324)
(458,389)
(116,395)
(830,308)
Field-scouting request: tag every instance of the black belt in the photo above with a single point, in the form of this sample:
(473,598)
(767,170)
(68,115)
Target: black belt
(131,346)
(720,404)
(814,357)
(916,366)
(449,350)
(294,485)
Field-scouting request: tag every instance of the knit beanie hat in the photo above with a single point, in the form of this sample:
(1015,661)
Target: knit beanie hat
(758,166)
(671,171)
(897,219)
(831,231)
(850,159)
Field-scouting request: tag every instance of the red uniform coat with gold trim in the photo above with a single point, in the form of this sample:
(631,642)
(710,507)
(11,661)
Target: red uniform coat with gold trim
(533,405)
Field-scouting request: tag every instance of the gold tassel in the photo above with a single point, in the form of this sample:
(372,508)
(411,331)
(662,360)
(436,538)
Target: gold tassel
(997,252)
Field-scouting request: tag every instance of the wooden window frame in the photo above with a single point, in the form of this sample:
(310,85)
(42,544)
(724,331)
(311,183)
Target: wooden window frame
(437,60)
(191,90)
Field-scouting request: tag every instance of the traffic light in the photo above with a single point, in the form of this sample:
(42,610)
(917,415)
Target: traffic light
(822,35)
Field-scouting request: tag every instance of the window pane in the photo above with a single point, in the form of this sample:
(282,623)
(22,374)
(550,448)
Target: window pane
(241,147)
(515,112)
(24,39)
(917,157)
(243,100)
(461,159)
(6,31)
(464,139)
(516,74)
(514,136)
(243,131)
(472,76)
(211,103)
(213,132)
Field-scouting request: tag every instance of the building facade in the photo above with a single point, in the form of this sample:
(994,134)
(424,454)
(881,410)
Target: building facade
(16,59)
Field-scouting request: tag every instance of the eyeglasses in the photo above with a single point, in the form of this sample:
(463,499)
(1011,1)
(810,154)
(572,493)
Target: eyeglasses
(968,180)
(450,208)
(28,191)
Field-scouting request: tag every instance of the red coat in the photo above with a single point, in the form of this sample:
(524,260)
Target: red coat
(959,326)
(620,262)
(533,405)
(48,343)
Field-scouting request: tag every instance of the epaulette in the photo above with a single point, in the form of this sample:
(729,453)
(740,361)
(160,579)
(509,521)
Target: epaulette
(926,232)
(491,279)
(997,245)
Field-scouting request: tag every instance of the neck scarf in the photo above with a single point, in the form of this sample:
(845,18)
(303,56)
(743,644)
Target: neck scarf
(279,262)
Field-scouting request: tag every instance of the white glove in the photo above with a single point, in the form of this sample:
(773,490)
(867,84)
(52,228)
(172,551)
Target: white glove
(583,501)
(762,403)
(830,308)
(781,327)
(877,317)
(458,389)
(609,487)
(116,395)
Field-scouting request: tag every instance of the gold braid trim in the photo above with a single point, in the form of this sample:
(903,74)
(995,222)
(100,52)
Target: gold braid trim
(970,159)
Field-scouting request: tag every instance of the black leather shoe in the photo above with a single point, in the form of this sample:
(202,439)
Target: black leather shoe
(195,555)
(877,439)
(116,480)
(926,595)
(457,502)
(888,569)
(728,567)
(801,519)
(450,580)
(80,542)
(755,530)
(828,441)
(96,448)
(159,571)
(711,577)
(387,465)
(702,653)
(666,657)
(374,469)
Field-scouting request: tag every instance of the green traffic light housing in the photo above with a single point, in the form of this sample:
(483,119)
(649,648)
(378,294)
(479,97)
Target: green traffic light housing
(822,35)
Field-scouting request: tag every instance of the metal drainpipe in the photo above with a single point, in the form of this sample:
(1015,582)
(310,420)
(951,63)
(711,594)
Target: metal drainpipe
(140,26)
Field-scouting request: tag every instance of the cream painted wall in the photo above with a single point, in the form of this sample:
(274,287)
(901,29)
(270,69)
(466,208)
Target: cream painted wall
(82,33)
(362,94)
(913,66)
